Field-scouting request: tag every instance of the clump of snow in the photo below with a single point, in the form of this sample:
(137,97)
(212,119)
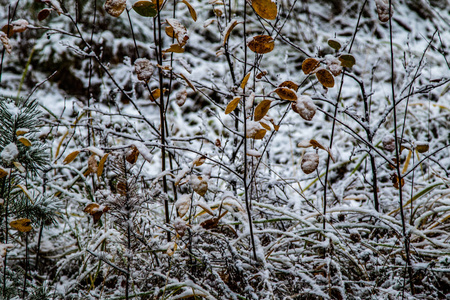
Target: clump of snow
(144,69)
(19,25)
(252,128)
(310,162)
(115,7)
(183,204)
(305,107)
(10,153)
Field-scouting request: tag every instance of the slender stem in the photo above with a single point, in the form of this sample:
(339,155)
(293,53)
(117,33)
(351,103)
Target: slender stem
(397,163)
(246,192)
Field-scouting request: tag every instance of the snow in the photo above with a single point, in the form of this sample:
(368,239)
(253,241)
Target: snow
(9,153)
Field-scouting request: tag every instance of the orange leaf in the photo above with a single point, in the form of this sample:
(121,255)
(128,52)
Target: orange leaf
(191,10)
(261,109)
(325,78)
(232,105)
(25,141)
(228,30)
(309,65)
(265,9)
(286,93)
(261,44)
(289,84)
(133,155)
(260,134)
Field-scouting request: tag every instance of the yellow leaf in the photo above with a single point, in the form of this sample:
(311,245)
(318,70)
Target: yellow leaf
(408,158)
(199,161)
(309,65)
(22,131)
(169,31)
(286,93)
(25,141)
(22,225)
(69,158)
(228,30)
(19,166)
(261,44)
(191,10)
(232,105)
(175,48)
(115,8)
(4,172)
(260,134)
(267,127)
(265,9)
(261,109)
(325,78)
(245,80)
(101,165)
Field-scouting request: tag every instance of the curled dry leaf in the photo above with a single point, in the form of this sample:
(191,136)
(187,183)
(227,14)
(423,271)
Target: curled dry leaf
(19,25)
(25,191)
(266,9)
(69,158)
(325,77)
(261,44)
(199,161)
(92,164)
(101,165)
(210,223)
(19,166)
(422,147)
(261,75)
(144,69)
(309,65)
(180,226)
(181,97)
(171,248)
(5,41)
(96,210)
(383,10)
(289,84)
(286,93)
(261,109)
(305,107)
(132,155)
(310,162)
(115,7)
(8,29)
(179,31)
(191,10)
(4,172)
(232,105)
(389,143)
(199,185)
(228,30)
(22,225)
(395,181)
(183,204)
(43,14)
